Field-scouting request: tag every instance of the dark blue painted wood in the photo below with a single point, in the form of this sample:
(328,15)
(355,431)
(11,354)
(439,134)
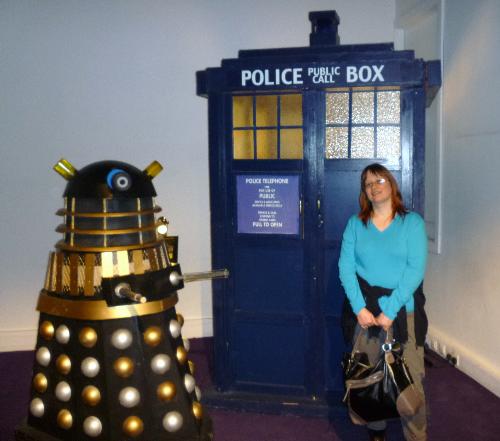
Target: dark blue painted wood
(277,319)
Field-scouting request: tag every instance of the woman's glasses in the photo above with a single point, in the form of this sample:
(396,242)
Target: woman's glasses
(369,185)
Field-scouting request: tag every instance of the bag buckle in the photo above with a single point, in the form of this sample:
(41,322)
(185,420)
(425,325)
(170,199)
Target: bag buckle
(387,347)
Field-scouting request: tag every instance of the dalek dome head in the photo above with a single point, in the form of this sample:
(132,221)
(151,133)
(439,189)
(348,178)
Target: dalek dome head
(108,204)
(108,179)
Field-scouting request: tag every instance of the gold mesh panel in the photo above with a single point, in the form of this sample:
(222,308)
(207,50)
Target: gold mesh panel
(242,111)
(267,144)
(291,144)
(267,111)
(243,144)
(291,110)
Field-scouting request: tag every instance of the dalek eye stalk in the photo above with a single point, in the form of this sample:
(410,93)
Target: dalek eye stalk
(110,361)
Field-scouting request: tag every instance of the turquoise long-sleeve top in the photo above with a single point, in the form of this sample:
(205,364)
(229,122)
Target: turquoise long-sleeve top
(394,258)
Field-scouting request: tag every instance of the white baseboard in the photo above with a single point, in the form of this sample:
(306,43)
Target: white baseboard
(25,339)
(197,327)
(470,363)
(17,339)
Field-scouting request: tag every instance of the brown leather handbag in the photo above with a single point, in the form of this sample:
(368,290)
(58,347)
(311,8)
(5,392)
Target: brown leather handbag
(381,391)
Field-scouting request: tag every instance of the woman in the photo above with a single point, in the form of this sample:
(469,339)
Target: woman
(382,265)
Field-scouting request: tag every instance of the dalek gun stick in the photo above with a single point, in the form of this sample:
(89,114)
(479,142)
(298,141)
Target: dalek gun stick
(175,277)
(110,360)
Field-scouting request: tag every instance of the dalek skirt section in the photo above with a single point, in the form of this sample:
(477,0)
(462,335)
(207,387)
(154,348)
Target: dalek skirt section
(110,361)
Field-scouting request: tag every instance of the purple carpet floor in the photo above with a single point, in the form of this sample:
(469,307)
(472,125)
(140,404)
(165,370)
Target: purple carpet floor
(459,408)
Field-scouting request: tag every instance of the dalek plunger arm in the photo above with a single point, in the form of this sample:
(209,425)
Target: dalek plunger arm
(124,291)
(175,277)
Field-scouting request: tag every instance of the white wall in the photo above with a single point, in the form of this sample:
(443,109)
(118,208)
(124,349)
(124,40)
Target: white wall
(91,80)
(463,282)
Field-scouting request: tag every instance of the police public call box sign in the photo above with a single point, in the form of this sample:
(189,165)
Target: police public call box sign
(268,204)
(320,75)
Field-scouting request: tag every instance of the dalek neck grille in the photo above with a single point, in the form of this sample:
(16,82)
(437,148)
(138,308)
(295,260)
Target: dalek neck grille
(94,223)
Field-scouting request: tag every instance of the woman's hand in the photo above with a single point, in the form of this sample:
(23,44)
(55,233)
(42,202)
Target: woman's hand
(366,318)
(383,321)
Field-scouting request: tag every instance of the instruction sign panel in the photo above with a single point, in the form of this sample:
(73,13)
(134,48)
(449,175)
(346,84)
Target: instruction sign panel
(268,204)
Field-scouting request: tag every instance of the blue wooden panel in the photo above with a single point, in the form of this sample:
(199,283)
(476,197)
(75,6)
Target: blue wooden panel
(340,201)
(334,293)
(269,279)
(334,350)
(269,354)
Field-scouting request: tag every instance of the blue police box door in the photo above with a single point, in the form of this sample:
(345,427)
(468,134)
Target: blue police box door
(290,131)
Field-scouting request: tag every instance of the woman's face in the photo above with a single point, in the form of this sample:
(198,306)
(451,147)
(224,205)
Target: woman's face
(377,188)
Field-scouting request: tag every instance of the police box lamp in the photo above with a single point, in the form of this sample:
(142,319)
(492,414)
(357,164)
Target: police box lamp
(110,360)
(324,28)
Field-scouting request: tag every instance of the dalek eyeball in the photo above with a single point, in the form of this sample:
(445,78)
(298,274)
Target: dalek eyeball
(123,367)
(172,421)
(189,382)
(160,364)
(87,337)
(47,330)
(129,397)
(63,391)
(63,364)
(65,419)
(119,180)
(187,345)
(91,396)
(153,336)
(62,334)
(40,383)
(92,426)
(37,408)
(133,426)
(43,356)
(90,367)
(166,391)
(121,338)
(174,328)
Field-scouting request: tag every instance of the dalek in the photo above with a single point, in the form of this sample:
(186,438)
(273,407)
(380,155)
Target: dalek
(110,362)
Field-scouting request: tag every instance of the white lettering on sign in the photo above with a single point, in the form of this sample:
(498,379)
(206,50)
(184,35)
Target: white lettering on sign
(267,77)
(365,74)
(323,74)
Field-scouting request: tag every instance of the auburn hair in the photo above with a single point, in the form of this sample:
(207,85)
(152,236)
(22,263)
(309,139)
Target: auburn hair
(365,205)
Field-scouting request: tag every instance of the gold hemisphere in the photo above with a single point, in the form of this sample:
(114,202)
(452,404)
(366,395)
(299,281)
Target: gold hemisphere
(63,364)
(47,330)
(166,391)
(133,426)
(65,419)
(180,319)
(153,336)
(123,367)
(197,410)
(40,383)
(191,367)
(181,355)
(87,337)
(91,396)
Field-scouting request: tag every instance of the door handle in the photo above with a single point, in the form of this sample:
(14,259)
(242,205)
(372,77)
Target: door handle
(320,215)
(320,221)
